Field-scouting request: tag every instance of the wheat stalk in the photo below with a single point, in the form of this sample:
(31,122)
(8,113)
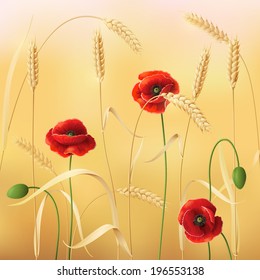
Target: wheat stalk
(124,32)
(233,62)
(33,66)
(143,195)
(41,159)
(209,27)
(190,108)
(99,56)
(201,72)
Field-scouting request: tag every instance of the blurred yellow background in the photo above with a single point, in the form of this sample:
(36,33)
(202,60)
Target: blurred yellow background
(68,88)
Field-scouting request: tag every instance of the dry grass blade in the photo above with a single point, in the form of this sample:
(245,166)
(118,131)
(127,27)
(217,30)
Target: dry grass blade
(125,33)
(201,73)
(40,158)
(209,27)
(143,195)
(33,66)
(190,108)
(233,62)
(99,56)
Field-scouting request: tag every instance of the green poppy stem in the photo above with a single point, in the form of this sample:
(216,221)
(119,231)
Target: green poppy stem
(165,189)
(229,251)
(58,220)
(210,189)
(211,157)
(209,251)
(71,212)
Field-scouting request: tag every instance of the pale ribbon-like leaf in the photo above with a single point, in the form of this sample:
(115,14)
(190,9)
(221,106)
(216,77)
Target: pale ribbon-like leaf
(166,147)
(135,160)
(100,232)
(111,110)
(37,228)
(235,241)
(77,216)
(7,91)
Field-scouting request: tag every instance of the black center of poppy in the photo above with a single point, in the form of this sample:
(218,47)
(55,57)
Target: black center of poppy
(156,90)
(199,220)
(70,133)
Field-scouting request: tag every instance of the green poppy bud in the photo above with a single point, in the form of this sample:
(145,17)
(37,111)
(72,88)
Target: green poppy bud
(239,177)
(18,191)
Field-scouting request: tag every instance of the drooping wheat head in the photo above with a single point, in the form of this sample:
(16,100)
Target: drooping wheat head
(99,56)
(201,73)
(33,66)
(209,27)
(125,33)
(190,108)
(233,62)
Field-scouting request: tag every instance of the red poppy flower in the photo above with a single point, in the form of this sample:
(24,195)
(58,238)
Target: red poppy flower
(199,221)
(154,83)
(70,138)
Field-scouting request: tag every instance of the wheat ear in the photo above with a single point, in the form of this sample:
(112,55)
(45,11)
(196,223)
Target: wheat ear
(33,66)
(201,73)
(99,56)
(209,27)
(40,158)
(190,108)
(233,62)
(124,32)
(143,195)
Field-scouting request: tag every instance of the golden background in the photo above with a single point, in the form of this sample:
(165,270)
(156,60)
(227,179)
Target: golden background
(68,88)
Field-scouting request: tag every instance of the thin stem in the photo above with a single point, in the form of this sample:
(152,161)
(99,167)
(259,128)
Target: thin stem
(235,192)
(33,156)
(104,141)
(209,251)
(71,211)
(211,157)
(229,251)
(165,189)
(58,220)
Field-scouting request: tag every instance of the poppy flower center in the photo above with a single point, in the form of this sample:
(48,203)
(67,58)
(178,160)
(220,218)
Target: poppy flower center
(156,90)
(199,220)
(70,133)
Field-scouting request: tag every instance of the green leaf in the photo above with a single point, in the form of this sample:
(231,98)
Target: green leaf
(18,191)
(239,177)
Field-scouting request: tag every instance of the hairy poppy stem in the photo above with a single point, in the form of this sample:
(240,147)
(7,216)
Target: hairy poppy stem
(71,211)
(165,189)
(58,220)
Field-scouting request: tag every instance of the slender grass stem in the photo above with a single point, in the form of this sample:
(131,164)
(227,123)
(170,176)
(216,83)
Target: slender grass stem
(71,211)
(165,189)
(235,192)
(104,141)
(33,155)
(58,221)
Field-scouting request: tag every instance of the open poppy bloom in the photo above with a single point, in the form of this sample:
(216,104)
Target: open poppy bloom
(154,83)
(70,138)
(199,221)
